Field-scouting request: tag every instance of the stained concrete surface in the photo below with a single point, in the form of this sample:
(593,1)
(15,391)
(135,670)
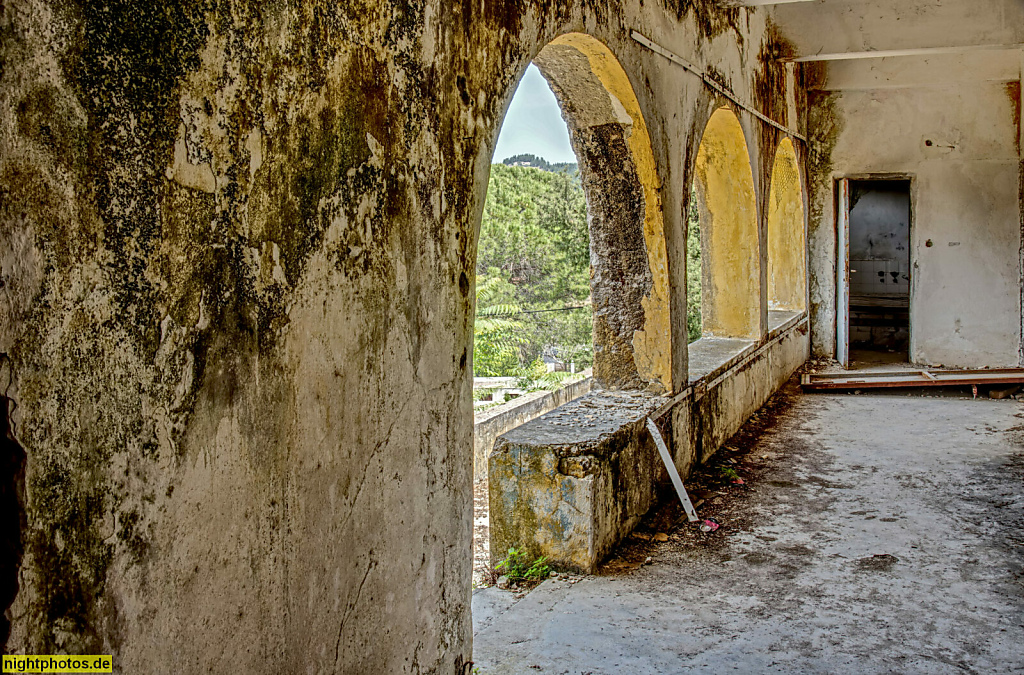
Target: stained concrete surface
(708,354)
(571,484)
(875,533)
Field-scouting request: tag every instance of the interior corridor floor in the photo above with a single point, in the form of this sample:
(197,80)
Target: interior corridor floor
(876,533)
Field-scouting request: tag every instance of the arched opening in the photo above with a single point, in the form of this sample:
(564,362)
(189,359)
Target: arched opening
(533,330)
(629,267)
(787,260)
(727,212)
(626,256)
(533,316)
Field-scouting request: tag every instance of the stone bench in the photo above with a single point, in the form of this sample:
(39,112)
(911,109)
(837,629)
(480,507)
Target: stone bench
(570,485)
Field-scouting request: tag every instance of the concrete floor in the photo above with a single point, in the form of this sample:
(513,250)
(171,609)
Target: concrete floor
(876,533)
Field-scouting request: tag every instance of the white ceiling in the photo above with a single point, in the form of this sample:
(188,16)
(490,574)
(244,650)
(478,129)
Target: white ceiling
(897,42)
(837,27)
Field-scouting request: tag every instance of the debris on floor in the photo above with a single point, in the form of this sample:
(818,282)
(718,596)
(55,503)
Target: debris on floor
(709,525)
(483,574)
(1000,393)
(880,562)
(912,378)
(862,541)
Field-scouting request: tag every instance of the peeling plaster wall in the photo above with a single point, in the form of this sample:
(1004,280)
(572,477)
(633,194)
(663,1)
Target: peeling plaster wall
(965,200)
(868,115)
(237,252)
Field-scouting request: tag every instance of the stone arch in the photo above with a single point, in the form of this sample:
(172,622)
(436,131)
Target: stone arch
(628,256)
(730,253)
(787,244)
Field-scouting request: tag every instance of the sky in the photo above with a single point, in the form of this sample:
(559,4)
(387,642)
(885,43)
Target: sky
(534,124)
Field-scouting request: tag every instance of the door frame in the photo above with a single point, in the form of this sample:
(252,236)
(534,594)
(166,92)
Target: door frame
(841,192)
(843,272)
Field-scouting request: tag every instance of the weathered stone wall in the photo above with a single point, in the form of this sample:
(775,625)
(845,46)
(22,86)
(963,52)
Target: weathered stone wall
(237,254)
(573,483)
(950,123)
(628,258)
(490,424)
(722,400)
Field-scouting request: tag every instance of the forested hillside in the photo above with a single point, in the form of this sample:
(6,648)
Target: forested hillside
(541,163)
(533,272)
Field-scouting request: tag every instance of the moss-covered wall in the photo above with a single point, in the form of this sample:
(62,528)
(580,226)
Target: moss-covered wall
(236,258)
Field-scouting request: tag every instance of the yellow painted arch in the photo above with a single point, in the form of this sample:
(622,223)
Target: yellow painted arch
(787,247)
(731,277)
(652,346)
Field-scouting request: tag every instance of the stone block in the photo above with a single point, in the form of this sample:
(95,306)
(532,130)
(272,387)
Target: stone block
(570,485)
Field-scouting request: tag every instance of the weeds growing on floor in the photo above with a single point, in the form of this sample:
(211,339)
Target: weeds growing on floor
(518,567)
(727,472)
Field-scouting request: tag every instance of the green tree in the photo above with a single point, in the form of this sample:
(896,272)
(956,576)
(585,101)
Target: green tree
(533,271)
(534,239)
(497,335)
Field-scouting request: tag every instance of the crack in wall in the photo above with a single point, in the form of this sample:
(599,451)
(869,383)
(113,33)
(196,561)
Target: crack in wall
(350,609)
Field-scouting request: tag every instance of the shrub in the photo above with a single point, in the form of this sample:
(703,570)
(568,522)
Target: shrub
(517,566)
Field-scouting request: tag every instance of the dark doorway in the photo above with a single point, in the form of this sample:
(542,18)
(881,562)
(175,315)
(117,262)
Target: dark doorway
(879,264)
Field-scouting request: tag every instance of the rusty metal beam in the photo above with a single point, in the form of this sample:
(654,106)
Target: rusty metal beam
(680,61)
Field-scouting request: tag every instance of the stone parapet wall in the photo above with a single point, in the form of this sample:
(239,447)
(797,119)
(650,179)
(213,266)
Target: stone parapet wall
(573,483)
(717,404)
(491,423)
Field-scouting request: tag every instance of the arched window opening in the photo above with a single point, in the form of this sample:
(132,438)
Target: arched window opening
(629,284)
(600,222)
(533,331)
(727,213)
(787,259)
(533,317)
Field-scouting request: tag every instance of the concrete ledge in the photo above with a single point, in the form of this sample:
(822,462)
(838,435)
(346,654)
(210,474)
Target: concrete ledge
(710,357)
(493,422)
(780,321)
(721,397)
(571,484)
